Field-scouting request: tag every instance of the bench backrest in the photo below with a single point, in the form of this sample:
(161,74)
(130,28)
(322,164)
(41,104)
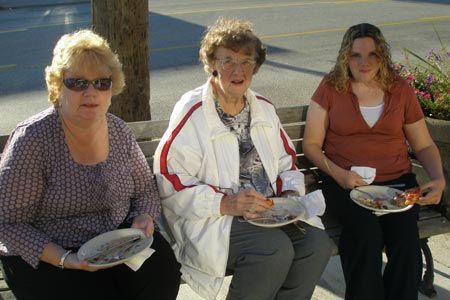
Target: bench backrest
(149,133)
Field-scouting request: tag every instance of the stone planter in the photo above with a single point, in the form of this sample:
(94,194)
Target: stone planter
(440,132)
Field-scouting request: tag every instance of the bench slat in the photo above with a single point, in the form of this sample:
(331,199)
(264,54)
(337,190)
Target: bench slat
(3,140)
(295,131)
(147,130)
(148,148)
(292,114)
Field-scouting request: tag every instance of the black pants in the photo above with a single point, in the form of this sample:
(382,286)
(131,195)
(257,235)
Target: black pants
(157,279)
(363,239)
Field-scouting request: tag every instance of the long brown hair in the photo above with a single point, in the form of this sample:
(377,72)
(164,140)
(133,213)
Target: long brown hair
(340,76)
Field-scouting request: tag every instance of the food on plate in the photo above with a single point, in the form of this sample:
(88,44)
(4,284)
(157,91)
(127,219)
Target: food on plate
(412,195)
(115,250)
(375,203)
(270,202)
(291,217)
(284,211)
(282,217)
(408,197)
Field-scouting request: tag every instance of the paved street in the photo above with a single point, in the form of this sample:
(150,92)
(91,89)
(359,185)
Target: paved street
(302,37)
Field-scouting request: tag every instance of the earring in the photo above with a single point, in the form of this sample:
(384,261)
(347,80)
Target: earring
(214,73)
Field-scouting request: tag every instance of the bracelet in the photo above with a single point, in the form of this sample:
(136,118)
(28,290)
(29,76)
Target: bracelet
(63,259)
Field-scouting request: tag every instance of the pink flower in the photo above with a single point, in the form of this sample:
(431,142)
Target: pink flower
(427,96)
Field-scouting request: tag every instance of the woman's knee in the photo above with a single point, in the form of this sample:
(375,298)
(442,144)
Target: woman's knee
(281,251)
(321,243)
(318,245)
(277,252)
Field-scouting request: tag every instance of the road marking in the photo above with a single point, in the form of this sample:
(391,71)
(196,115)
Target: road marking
(435,18)
(7,67)
(421,20)
(265,37)
(292,34)
(173,48)
(273,36)
(13,30)
(40,26)
(339,2)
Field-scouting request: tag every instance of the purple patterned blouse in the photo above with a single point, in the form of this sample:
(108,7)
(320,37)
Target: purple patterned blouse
(46,196)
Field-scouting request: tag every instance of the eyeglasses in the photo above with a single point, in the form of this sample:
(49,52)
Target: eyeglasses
(78,84)
(228,64)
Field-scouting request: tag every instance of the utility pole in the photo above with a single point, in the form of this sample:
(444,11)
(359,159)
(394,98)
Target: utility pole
(125,25)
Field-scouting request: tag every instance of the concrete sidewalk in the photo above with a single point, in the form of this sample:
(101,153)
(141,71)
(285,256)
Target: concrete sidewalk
(332,287)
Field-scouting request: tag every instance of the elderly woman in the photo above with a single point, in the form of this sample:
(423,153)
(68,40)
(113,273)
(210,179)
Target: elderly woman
(222,155)
(73,172)
(362,114)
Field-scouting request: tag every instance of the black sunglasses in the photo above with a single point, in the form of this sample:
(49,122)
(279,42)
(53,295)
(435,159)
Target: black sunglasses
(78,84)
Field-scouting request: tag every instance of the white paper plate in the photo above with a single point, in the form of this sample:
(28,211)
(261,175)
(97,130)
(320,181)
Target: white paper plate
(281,207)
(378,191)
(106,240)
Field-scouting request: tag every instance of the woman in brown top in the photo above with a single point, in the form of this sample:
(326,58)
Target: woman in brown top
(363,114)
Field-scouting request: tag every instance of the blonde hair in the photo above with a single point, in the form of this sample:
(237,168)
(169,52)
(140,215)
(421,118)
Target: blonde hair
(232,34)
(340,76)
(81,49)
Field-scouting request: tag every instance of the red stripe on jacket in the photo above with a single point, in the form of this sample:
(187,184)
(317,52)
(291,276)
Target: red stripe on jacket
(264,99)
(174,179)
(289,151)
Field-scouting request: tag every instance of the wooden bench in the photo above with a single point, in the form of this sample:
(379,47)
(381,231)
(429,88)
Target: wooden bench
(434,220)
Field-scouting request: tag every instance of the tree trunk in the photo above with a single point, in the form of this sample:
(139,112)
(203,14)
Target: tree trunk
(125,25)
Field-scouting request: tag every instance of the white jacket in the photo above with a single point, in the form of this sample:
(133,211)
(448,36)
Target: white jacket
(196,162)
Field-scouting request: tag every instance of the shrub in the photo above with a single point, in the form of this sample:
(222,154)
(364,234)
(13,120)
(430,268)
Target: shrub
(430,78)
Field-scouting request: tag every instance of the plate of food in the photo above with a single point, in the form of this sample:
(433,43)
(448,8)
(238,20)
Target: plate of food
(283,211)
(385,199)
(114,247)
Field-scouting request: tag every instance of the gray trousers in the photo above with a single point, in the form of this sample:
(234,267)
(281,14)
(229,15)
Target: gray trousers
(276,263)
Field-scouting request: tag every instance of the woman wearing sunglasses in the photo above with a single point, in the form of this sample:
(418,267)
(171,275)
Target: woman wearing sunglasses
(222,155)
(73,172)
